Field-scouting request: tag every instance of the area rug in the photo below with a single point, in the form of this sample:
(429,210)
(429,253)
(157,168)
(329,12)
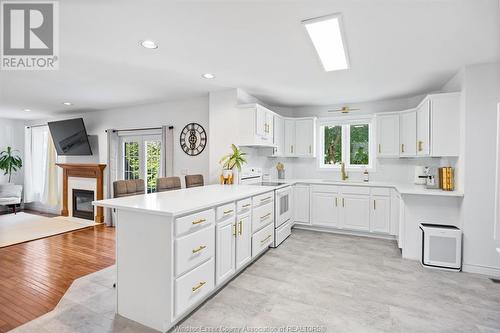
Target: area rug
(23,227)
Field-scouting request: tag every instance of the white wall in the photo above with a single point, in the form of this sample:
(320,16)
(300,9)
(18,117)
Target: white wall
(482,94)
(12,134)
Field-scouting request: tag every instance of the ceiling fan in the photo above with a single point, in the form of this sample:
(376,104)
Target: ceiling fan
(344,110)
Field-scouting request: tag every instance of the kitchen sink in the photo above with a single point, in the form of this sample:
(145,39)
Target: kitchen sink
(347,181)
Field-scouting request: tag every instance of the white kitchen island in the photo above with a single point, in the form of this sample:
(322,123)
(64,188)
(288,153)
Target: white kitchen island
(174,249)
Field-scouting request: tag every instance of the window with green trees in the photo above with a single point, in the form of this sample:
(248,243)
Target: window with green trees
(348,143)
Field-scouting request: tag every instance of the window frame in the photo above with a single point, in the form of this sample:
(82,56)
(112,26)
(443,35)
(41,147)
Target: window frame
(346,123)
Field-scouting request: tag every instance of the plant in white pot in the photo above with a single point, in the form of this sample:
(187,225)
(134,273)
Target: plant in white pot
(235,159)
(10,162)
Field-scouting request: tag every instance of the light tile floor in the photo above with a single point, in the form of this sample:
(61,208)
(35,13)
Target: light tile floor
(323,281)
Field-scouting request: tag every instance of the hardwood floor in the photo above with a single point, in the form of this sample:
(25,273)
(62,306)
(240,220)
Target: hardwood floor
(35,275)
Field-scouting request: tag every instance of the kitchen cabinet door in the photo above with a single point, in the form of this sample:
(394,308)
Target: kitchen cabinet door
(243,239)
(380,214)
(269,126)
(279,136)
(301,203)
(225,250)
(289,137)
(445,124)
(388,135)
(304,130)
(260,122)
(408,133)
(355,212)
(423,128)
(324,209)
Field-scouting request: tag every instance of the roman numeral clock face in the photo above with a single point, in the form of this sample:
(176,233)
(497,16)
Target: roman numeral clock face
(193,139)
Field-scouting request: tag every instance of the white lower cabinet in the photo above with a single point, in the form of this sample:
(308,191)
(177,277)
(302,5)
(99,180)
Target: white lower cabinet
(243,239)
(380,214)
(355,211)
(352,208)
(324,206)
(301,203)
(262,239)
(225,253)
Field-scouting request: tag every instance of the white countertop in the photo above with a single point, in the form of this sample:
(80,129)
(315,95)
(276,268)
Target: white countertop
(179,202)
(404,189)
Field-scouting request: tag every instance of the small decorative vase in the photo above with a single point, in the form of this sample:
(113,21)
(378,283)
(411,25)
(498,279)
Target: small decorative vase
(281,174)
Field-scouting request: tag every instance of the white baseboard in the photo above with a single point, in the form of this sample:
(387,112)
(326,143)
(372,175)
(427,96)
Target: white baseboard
(484,270)
(342,231)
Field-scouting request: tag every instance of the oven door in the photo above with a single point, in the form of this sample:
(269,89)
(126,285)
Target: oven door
(283,205)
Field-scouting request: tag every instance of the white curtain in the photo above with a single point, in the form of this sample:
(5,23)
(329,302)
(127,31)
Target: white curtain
(40,173)
(167,136)
(112,169)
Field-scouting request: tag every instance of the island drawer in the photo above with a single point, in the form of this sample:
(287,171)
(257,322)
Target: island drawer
(194,222)
(262,239)
(262,199)
(244,205)
(262,216)
(193,249)
(194,286)
(225,211)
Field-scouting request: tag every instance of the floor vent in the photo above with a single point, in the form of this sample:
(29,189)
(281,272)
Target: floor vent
(495,280)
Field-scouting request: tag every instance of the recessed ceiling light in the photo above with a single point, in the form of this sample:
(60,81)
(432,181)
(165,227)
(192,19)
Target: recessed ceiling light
(208,76)
(327,37)
(149,44)
(67,103)
(27,110)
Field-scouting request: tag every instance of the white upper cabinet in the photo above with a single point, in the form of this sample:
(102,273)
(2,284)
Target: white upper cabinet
(445,124)
(423,128)
(255,125)
(289,137)
(388,135)
(305,131)
(279,136)
(408,133)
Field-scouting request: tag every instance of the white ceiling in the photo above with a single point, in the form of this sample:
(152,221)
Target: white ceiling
(397,48)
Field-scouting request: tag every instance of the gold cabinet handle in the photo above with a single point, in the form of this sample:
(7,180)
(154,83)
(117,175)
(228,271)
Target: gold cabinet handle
(265,239)
(343,204)
(246,206)
(234,229)
(310,149)
(420,148)
(199,221)
(379,149)
(228,211)
(336,203)
(241,227)
(402,147)
(265,216)
(199,248)
(198,286)
(374,204)
(265,199)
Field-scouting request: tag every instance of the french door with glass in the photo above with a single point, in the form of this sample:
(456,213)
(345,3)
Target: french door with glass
(141,159)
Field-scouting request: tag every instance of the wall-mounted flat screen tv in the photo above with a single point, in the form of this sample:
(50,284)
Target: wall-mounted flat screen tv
(70,137)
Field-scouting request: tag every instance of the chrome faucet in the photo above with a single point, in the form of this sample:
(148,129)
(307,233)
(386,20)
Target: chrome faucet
(343,173)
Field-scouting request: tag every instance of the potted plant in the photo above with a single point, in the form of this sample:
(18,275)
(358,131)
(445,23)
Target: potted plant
(235,159)
(10,162)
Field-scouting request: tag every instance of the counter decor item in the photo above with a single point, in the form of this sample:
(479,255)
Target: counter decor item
(446,179)
(234,159)
(281,170)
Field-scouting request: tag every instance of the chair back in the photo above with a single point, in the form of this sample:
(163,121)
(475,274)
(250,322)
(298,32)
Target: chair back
(126,188)
(194,181)
(164,184)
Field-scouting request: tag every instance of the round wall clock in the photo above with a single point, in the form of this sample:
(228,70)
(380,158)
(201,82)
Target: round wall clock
(193,139)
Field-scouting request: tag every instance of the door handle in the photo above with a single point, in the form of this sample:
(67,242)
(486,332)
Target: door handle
(402,147)
(200,248)
(241,227)
(199,221)
(234,229)
(198,286)
(420,143)
(343,204)
(379,149)
(336,204)
(374,204)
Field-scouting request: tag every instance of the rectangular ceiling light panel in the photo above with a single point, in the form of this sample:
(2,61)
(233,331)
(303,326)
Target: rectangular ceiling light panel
(327,37)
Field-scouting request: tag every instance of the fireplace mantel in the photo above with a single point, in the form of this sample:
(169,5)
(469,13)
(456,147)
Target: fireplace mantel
(84,171)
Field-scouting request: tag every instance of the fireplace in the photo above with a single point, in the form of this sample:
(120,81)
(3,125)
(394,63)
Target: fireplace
(82,204)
